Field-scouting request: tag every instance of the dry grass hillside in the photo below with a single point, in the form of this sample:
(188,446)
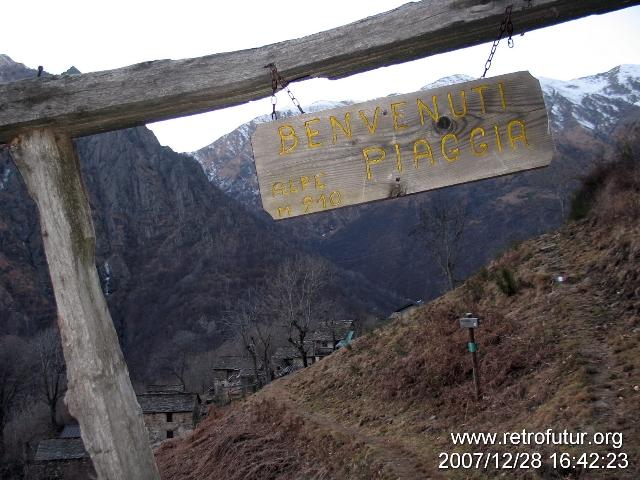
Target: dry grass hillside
(560,355)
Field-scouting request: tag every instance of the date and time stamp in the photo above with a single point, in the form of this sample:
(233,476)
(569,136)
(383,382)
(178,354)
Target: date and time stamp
(559,450)
(532,460)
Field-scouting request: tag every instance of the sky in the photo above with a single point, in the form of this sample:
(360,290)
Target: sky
(94,36)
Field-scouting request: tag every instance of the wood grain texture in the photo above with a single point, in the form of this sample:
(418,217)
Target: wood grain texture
(100,395)
(402,144)
(158,90)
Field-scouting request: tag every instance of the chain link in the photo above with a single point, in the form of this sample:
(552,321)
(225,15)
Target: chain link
(274,88)
(506,26)
(509,27)
(276,79)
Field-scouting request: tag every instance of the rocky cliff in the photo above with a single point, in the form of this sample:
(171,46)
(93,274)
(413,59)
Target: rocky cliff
(174,252)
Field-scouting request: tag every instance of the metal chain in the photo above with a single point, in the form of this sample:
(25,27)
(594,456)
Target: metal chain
(509,26)
(506,26)
(274,88)
(276,79)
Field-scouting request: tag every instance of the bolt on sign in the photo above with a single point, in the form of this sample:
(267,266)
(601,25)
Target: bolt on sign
(403,144)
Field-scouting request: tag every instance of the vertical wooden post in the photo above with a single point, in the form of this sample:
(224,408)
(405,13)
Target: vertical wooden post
(100,394)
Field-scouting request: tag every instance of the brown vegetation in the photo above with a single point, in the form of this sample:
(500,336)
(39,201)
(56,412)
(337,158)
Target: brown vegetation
(554,353)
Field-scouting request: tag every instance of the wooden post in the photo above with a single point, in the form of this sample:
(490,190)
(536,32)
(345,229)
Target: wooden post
(100,394)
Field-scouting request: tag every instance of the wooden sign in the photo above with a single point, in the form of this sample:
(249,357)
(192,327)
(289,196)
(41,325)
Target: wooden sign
(403,144)
(469,322)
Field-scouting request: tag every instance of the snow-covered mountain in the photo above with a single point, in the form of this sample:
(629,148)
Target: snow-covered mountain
(228,162)
(586,114)
(595,103)
(449,80)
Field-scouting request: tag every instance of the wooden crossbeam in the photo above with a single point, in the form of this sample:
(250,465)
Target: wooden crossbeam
(158,90)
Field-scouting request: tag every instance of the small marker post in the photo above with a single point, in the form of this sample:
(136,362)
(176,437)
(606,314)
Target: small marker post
(471,323)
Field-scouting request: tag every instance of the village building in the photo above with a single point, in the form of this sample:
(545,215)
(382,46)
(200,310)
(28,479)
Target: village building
(234,377)
(324,340)
(167,414)
(287,359)
(330,336)
(71,430)
(161,388)
(63,457)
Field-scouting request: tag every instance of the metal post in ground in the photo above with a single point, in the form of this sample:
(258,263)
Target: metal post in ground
(471,323)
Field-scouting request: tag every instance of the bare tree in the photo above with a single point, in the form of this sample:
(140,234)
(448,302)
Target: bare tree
(200,375)
(294,297)
(242,321)
(50,371)
(177,365)
(264,340)
(175,361)
(14,378)
(441,227)
(255,332)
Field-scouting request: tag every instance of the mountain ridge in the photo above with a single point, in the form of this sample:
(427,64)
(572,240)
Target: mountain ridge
(173,251)
(620,80)
(503,210)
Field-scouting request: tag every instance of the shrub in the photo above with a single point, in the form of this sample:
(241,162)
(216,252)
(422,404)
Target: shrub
(584,199)
(611,190)
(476,285)
(506,281)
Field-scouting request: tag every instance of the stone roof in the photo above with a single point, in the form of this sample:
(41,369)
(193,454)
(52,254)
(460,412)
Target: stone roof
(166,402)
(231,363)
(165,388)
(60,449)
(290,352)
(326,331)
(71,431)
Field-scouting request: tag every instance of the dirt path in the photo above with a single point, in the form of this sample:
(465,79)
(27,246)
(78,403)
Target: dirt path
(595,314)
(398,463)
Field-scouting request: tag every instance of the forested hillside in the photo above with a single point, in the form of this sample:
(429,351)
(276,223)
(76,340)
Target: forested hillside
(174,252)
(558,345)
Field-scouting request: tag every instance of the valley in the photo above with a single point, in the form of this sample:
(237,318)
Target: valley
(185,255)
(558,347)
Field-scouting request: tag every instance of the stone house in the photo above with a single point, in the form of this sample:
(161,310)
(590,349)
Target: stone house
(63,457)
(169,415)
(165,388)
(71,430)
(288,358)
(225,368)
(331,335)
(166,415)
(234,377)
(324,340)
